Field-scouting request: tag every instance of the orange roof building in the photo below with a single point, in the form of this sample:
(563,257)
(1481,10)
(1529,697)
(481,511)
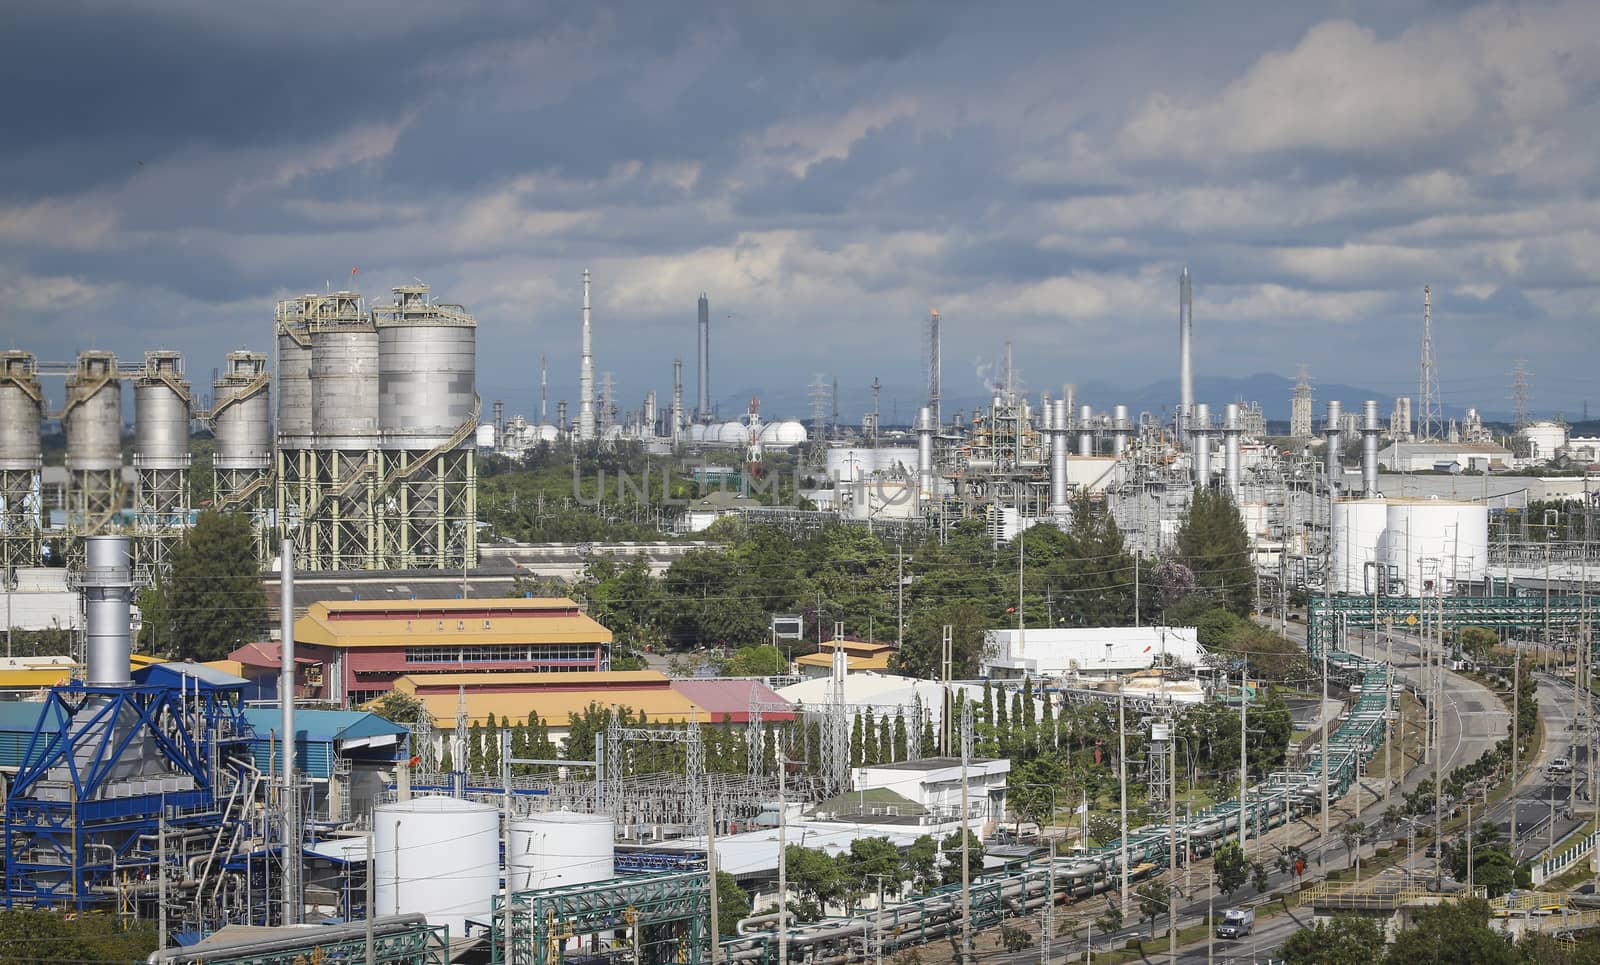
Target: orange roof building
(366,645)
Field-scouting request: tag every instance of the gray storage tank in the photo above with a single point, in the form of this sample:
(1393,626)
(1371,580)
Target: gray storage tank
(161,407)
(21,411)
(427,365)
(344,375)
(241,413)
(294,372)
(93,417)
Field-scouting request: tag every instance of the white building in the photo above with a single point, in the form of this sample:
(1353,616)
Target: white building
(1087,651)
(1446,456)
(881,691)
(935,783)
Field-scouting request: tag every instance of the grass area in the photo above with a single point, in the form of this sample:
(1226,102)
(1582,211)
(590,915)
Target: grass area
(1140,948)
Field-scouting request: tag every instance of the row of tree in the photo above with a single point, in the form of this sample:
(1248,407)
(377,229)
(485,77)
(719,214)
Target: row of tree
(821,882)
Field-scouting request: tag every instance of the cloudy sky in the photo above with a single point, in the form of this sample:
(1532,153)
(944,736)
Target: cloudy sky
(827,171)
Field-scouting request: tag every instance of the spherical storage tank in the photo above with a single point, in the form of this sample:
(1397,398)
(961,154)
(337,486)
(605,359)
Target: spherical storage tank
(93,419)
(1545,439)
(785,433)
(294,371)
(344,375)
(1357,525)
(1431,539)
(20,411)
(438,857)
(161,413)
(240,417)
(561,848)
(427,365)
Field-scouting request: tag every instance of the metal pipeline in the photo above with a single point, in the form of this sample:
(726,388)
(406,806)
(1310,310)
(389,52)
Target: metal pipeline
(324,934)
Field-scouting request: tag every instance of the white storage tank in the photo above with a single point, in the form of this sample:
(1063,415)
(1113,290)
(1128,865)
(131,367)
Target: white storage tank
(438,857)
(1429,539)
(1545,439)
(1357,525)
(561,848)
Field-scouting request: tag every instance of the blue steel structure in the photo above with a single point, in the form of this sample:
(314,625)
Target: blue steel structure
(107,769)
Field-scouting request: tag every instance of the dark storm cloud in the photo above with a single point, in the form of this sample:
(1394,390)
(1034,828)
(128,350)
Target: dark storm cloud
(826,170)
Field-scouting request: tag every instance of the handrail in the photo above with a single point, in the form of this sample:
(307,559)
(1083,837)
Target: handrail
(255,387)
(241,495)
(454,442)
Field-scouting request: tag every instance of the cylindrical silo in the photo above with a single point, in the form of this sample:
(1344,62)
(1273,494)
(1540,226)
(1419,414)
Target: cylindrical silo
(107,582)
(1085,431)
(93,417)
(1335,442)
(294,371)
(21,411)
(1231,430)
(241,413)
(344,375)
(1432,541)
(1356,527)
(427,369)
(438,857)
(561,848)
(161,404)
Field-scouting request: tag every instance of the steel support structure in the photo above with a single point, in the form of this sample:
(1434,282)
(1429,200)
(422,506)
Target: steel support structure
(1325,613)
(668,913)
(427,509)
(19,519)
(394,942)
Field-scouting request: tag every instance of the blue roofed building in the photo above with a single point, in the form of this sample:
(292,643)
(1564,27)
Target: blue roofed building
(347,756)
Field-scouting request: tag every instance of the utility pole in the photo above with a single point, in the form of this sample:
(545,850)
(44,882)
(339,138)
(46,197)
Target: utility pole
(372,952)
(1122,781)
(1172,843)
(967,957)
(900,597)
(783,859)
(1244,773)
(711,874)
(1322,711)
(161,872)
(1516,736)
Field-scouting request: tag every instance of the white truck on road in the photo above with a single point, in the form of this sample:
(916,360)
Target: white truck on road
(1236,923)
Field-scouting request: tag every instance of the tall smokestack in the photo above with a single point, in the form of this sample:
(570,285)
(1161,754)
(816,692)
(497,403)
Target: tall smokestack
(1231,430)
(925,430)
(1121,425)
(586,373)
(107,594)
(1185,362)
(1085,431)
(648,430)
(677,401)
(544,391)
(934,366)
(702,409)
(1370,430)
(1335,443)
(1056,420)
(1200,450)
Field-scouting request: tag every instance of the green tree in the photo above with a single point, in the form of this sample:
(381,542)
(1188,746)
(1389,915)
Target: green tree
(1095,570)
(212,602)
(1456,931)
(1232,868)
(899,749)
(1212,543)
(921,863)
(399,707)
(816,878)
(1345,940)
(857,744)
(885,742)
(733,904)
(922,654)
(762,661)
(1015,938)
(871,860)
(951,847)
(1153,898)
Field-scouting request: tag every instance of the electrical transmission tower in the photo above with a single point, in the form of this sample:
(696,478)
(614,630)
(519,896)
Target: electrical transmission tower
(1429,419)
(1300,407)
(819,413)
(1519,395)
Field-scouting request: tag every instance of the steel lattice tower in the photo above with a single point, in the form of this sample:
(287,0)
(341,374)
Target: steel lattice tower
(1429,419)
(1519,395)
